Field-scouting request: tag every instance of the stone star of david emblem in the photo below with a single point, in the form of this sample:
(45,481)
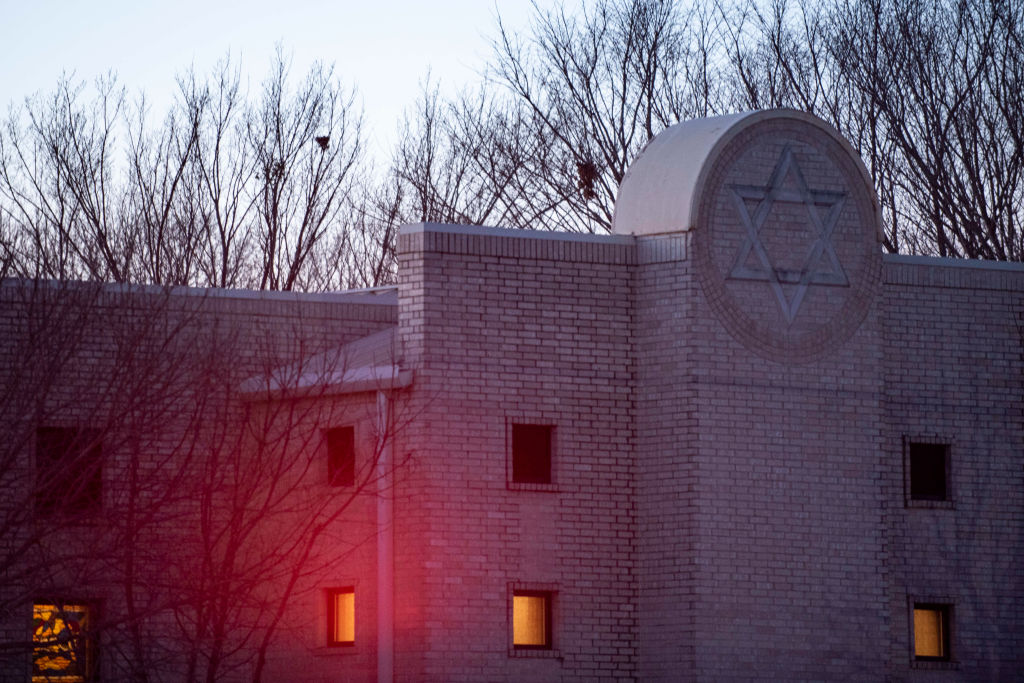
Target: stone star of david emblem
(821,266)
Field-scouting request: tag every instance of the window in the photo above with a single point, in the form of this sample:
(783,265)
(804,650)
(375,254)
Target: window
(531,620)
(929,471)
(341,456)
(341,617)
(62,647)
(69,473)
(531,453)
(931,632)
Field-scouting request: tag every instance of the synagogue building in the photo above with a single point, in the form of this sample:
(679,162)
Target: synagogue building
(732,440)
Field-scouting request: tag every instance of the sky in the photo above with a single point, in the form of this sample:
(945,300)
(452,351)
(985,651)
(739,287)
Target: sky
(385,48)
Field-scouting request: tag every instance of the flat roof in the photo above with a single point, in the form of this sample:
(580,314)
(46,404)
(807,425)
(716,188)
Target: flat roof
(489,231)
(385,296)
(945,262)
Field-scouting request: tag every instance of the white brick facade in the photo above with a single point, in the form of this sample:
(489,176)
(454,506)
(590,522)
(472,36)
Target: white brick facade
(731,415)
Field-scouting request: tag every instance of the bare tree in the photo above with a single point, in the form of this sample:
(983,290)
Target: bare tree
(221,193)
(277,194)
(59,185)
(363,255)
(88,377)
(944,78)
(599,85)
(218,202)
(782,54)
(188,482)
(923,89)
(464,161)
(306,146)
(157,165)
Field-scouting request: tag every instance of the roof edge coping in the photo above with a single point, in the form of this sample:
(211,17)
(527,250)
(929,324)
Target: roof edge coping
(947,262)
(491,231)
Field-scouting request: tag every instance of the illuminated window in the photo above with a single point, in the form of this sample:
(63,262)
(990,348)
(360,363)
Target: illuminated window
(531,620)
(61,646)
(341,616)
(531,453)
(69,474)
(929,469)
(931,631)
(341,456)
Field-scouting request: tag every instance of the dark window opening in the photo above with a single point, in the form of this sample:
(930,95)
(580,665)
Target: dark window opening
(929,463)
(341,456)
(531,453)
(531,620)
(69,470)
(931,632)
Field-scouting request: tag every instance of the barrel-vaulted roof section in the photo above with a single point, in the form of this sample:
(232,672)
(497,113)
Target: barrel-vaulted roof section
(663,186)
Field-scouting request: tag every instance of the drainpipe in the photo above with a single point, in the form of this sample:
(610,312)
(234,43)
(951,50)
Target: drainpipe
(385,548)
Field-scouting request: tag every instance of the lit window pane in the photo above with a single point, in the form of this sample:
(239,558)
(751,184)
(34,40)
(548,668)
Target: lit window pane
(60,648)
(929,638)
(529,620)
(342,622)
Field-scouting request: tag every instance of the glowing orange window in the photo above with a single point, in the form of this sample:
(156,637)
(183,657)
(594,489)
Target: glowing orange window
(931,631)
(61,647)
(341,617)
(531,620)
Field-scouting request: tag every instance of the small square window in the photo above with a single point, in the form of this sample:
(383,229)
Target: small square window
(69,470)
(531,453)
(929,471)
(531,620)
(341,617)
(62,646)
(341,456)
(931,632)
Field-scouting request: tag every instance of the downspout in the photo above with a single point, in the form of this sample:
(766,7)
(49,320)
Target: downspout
(385,547)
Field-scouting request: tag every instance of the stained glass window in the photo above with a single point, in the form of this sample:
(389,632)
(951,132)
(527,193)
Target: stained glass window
(61,647)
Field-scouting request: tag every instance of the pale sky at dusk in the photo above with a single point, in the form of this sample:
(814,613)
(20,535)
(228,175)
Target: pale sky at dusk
(383,47)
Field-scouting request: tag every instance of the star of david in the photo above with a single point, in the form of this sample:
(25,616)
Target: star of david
(821,266)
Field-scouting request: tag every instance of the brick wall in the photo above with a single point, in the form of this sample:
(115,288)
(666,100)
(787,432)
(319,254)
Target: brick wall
(954,371)
(666,447)
(745,515)
(501,328)
(762,533)
(718,511)
(151,371)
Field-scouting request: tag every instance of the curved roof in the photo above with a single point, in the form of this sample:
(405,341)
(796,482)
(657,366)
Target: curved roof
(660,191)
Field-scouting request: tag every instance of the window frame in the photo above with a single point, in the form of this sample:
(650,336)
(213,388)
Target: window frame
(332,467)
(71,483)
(946,608)
(88,637)
(330,596)
(932,440)
(531,421)
(550,593)
(545,597)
